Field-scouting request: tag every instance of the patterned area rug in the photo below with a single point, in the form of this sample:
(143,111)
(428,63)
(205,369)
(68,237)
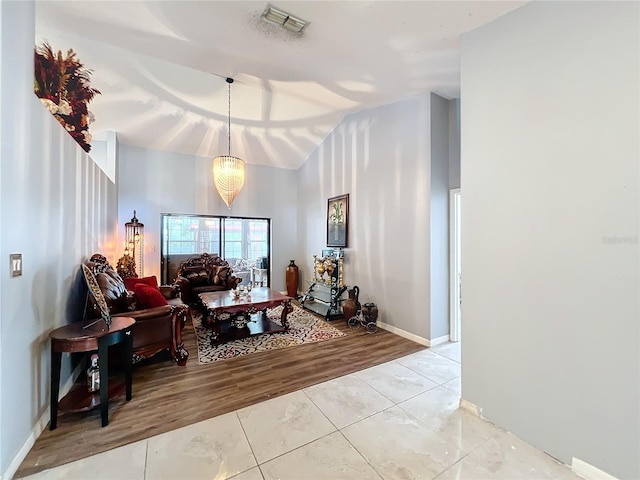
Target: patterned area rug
(303,328)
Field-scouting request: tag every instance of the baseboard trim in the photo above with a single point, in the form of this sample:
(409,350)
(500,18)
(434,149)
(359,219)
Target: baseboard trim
(470,407)
(438,341)
(413,337)
(38,428)
(402,333)
(588,471)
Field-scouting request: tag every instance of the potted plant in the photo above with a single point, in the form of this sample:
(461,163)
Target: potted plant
(62,84)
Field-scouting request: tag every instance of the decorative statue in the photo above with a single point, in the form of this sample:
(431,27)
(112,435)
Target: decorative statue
(126,267)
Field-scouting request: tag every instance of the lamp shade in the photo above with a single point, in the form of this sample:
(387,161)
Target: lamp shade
(228,175)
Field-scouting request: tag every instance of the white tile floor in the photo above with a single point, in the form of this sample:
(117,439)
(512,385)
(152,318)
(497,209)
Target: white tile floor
(398,420)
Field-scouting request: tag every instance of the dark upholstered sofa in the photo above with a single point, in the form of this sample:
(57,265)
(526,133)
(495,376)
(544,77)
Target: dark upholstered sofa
(204,273)
(159,313)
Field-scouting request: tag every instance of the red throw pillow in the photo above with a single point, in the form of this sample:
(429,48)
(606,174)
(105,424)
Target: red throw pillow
(131,281)
(148,297)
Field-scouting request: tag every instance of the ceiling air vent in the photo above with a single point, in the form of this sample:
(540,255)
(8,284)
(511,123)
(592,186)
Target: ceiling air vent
(286,20)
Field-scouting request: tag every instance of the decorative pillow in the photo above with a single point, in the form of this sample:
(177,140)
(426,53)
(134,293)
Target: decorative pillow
(220,277)
(131,281)
(191,268)
(197,277)
(148,297)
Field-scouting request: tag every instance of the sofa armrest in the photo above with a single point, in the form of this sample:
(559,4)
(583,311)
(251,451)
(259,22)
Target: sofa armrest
(233,282)
(169,291)
(184,287)
(147,313)
(244,276)
(159,328)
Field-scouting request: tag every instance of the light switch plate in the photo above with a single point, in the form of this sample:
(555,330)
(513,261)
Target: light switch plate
(16,264)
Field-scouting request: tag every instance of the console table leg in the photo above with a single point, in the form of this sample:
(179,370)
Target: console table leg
(103,365)
(56,360)
(128,362)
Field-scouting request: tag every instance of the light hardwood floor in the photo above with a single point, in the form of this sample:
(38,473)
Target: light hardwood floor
(166,396)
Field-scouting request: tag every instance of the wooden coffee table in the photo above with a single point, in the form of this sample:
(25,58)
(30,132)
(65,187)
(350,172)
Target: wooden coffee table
(234,318)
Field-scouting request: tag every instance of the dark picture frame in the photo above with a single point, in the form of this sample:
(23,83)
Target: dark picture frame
(338,221)
(94,290)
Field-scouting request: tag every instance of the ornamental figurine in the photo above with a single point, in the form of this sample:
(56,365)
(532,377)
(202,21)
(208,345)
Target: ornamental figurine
(126,267)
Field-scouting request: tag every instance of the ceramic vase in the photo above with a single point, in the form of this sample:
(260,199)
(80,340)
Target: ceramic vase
(351,306)
(291,279)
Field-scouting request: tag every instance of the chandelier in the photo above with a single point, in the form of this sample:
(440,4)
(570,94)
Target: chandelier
(228,171)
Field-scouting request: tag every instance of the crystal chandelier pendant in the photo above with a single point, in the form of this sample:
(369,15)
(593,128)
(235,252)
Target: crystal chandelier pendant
(228,171)
(228,175)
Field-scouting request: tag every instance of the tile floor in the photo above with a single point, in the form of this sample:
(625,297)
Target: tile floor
(398,420)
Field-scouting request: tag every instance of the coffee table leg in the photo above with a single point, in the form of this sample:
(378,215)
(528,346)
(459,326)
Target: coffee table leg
(215,328)
(286,310)
(207,319)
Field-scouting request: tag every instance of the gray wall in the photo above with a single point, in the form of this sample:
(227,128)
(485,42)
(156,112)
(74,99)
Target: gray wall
(382,158)
(439,217)
(154,182)
(550,224)
(57,208)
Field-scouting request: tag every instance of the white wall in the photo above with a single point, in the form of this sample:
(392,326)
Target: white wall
(550,226)
(154,182)
(2,69)
(56,207)
(454,143)
(104,154)
(439,219)
(381,158)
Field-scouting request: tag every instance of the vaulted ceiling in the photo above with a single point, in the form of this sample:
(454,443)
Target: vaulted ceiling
(161,67)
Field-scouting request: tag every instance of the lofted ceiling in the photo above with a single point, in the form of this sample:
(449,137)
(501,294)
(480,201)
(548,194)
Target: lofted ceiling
(161,67)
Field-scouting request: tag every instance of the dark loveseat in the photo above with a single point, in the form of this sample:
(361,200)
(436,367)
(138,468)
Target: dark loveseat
(159,313)
(204,273)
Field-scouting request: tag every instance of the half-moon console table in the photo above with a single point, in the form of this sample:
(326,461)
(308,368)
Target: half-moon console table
(73,338)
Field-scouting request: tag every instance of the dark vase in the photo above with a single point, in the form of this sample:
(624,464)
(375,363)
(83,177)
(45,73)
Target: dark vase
(351,306)
(370,312)
(291,278)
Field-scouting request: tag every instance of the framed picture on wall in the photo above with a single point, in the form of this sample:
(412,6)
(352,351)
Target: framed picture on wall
(338,221)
